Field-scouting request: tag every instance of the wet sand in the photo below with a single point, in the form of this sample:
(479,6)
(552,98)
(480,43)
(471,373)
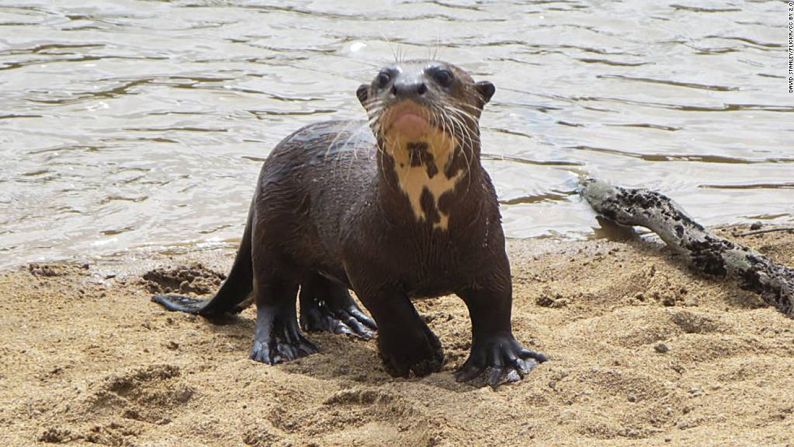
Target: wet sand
(642,353)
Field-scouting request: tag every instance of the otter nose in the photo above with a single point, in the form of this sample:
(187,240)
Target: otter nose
(408,89)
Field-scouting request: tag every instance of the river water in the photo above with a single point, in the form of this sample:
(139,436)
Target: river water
(130,125)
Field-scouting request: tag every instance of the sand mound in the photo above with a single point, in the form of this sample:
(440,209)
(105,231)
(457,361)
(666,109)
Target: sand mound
(642,353)
(184,279)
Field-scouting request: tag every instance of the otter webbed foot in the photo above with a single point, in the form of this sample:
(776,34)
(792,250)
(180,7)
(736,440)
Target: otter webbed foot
(278,338)
(348,320)
(328,307)
(497,360)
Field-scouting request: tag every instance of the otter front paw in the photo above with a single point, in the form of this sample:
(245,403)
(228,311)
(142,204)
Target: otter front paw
(496,360)
(421,354)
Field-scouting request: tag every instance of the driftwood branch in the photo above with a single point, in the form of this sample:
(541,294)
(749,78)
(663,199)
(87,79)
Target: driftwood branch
(706,252)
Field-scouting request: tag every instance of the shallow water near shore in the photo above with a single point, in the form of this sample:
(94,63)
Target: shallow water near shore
(142,125)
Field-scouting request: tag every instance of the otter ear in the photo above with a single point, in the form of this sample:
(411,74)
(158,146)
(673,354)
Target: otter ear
(486,90)
(363,93)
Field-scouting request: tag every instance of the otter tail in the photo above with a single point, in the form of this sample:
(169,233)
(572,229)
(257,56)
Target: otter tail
(233,294)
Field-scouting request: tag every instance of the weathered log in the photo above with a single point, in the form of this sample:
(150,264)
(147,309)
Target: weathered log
(705,252)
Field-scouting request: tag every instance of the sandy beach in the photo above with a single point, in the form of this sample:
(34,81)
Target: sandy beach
(642,353)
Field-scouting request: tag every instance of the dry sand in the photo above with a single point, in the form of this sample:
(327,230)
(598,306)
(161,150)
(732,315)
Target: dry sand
(642,353)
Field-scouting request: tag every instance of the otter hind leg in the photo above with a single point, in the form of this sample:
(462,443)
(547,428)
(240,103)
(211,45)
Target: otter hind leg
(327,306)
(277,338)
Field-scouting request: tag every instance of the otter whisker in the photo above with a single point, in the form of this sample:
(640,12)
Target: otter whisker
(475,110)
(355,147)
(463,116)
(441,116)
(457,107)
(467,140)
(468,145)
(338,135)
(453,128)
(452,114)
(373,107)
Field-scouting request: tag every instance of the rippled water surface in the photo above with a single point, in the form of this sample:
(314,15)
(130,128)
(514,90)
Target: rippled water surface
(129,124)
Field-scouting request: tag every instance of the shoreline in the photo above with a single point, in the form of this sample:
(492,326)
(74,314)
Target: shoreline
(642,353)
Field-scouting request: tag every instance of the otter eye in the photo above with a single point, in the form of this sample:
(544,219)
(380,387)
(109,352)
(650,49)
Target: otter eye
(444,77)
(382,79)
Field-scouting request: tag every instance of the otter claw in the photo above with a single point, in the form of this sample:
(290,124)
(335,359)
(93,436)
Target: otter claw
(494,376)
(359,316)
(350,321)
(505,362)
(280,348)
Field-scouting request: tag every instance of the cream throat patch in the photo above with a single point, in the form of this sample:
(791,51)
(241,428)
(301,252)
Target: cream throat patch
(421,165)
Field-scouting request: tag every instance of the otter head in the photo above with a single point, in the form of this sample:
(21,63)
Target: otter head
(425,118)
(413,102)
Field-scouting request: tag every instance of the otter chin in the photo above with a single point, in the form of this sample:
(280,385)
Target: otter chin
(409,121)
(394,207)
